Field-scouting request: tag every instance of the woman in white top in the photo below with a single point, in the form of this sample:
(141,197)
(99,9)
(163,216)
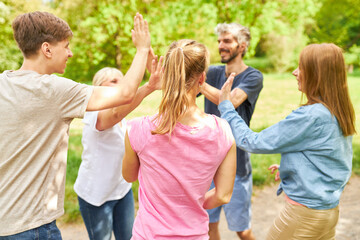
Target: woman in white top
(105,198)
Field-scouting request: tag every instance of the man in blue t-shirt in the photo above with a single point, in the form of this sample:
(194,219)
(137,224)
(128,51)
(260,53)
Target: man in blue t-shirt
(234,40)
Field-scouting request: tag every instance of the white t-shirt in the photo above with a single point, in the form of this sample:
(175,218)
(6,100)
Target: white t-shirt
(99,178)
(35,114)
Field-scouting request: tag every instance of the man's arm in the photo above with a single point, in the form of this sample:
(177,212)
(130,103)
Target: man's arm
(238,96)
(108,97)
(109,117)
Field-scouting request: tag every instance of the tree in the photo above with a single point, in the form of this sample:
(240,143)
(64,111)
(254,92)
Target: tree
(102,35)
(287,35)
(10,55)
(102,30)
(339,22)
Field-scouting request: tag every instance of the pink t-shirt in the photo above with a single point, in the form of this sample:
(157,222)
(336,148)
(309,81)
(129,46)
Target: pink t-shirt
(174,176)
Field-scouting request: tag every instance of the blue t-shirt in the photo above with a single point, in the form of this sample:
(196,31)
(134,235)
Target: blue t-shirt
(251,82)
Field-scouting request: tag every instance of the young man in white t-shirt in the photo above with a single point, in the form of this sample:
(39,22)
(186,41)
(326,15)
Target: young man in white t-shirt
(36,109)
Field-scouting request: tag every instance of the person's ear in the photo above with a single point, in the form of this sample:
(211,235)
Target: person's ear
(46,49)
(202,78)
(242,46)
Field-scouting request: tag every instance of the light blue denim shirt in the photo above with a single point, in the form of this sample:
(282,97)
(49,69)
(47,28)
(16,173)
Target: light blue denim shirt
(316,158)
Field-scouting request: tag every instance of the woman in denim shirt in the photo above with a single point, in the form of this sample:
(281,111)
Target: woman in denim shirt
(315,142)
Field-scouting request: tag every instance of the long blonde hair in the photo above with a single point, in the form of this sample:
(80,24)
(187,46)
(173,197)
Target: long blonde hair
(184,62)
(323,79)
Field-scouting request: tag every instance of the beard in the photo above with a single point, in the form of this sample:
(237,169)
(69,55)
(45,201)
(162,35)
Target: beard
(232,56)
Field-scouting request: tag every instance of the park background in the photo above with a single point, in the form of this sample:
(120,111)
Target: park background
(280,30)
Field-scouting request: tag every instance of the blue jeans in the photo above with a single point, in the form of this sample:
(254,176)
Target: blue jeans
(116,215)
(45,232)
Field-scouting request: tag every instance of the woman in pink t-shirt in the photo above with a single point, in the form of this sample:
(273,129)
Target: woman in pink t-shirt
(178,152)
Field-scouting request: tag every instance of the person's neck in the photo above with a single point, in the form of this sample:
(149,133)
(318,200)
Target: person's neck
(35,65)
(237,66)
(193,115)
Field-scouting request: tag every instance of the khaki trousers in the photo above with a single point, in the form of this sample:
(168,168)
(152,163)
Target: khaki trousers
(300,222)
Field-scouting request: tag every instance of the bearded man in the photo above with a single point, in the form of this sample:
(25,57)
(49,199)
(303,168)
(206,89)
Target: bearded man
(234,40)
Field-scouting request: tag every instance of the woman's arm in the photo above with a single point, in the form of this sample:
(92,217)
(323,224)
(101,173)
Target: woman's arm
(224,181)
(109,117)
(130,164)
(295,133)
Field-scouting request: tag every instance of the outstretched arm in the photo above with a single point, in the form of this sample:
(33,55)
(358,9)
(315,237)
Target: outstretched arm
(288,135)
(224,181)
(108,97)
(109,117)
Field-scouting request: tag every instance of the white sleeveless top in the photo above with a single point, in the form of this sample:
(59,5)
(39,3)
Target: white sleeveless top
(99,178)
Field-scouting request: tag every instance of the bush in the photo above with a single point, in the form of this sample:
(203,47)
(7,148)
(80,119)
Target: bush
(262,64)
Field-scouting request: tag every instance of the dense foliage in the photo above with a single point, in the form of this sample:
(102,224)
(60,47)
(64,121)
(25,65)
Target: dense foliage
(102,28)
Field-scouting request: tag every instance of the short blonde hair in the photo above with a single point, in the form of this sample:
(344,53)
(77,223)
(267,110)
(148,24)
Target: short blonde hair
(105,74)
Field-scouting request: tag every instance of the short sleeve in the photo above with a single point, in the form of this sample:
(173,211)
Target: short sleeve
(212,75)
(138,131)
(90,120)
(252,84)
(71,97)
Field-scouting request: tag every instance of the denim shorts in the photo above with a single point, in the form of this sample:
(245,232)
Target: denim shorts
(238,210)
(45,232)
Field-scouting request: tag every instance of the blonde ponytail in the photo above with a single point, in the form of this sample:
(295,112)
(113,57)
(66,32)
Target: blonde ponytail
(184,61)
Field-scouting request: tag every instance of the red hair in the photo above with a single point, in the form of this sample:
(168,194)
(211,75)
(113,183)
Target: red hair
(323,78)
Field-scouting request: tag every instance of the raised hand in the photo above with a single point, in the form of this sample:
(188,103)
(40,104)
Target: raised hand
(140,34)
(226,89)
(273,169)
(151,57)
(156,74)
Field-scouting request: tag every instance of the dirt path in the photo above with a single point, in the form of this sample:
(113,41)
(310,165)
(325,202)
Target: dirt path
(265,206)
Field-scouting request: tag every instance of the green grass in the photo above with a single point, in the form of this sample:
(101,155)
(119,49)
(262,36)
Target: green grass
(277,99)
